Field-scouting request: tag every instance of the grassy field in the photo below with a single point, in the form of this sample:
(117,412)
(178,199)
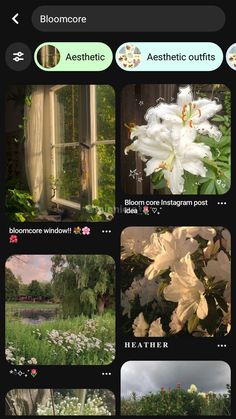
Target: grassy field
(74,341)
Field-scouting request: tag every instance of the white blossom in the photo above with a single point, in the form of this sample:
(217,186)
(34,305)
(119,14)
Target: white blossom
(140,326)
(192,389)
(188,112)
(166,249)
(186,290)
(156,329)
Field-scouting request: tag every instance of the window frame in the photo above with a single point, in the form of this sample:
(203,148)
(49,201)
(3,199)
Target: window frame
(90,138)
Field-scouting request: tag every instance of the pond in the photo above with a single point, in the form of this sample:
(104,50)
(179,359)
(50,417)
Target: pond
(36,316)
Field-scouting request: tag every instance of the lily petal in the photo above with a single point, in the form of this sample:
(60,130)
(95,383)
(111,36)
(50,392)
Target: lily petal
(205,128)
(184,96)
(175,178)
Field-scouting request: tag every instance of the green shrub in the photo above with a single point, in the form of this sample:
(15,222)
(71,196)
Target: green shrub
(177,402)
(19,205)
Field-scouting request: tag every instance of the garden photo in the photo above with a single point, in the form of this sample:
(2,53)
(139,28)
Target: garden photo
(60,402)
(175,388)
(60,153)
(60,309)
(176,281)
(176,139)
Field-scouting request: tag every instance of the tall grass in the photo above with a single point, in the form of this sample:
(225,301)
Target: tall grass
(31,341)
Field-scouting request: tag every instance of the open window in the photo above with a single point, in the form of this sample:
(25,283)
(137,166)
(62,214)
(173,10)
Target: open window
(82,144)
(67,155)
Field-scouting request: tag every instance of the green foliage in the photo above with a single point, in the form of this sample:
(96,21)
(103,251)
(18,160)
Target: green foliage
(177,402)
(34,289)
(19,205)
(158,180)
(47,291)
(12,286)
(79,281)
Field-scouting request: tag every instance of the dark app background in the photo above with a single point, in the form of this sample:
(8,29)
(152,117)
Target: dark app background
(189,349)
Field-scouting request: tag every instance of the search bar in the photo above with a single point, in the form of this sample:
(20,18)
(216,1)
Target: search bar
(128,18)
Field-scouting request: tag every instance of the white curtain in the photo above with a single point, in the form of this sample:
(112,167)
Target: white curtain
(34,120)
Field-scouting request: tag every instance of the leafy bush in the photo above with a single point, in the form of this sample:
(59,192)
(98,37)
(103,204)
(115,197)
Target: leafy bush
(177,402)
(19,205)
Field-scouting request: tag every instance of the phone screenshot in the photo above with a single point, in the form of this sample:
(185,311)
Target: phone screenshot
(117,208)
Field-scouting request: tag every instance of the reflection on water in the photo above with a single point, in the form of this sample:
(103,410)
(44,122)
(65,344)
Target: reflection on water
(36,316)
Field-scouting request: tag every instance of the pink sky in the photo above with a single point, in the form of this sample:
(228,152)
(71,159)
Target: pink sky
(31,267)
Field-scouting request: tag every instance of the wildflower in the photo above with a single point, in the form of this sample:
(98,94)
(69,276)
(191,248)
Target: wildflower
(192,389)
(32,361)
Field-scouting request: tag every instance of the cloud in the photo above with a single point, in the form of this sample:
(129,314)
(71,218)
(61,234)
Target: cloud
(31,267)
(143,377)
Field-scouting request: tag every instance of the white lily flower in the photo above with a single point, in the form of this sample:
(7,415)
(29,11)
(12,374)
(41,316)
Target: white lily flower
(140,326)
(146,143)
(156,329)
(188,112)
(166,249)
(173,152)
(220,270)
(186,290)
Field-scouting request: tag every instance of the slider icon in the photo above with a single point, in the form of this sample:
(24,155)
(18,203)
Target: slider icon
(18,56)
